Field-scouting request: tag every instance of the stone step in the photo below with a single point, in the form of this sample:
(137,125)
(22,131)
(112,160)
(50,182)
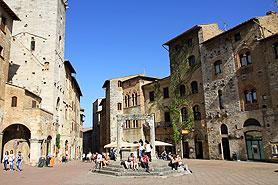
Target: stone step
(137,173)
(122,169)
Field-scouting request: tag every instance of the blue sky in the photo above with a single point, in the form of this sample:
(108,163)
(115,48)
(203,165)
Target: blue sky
(112,38)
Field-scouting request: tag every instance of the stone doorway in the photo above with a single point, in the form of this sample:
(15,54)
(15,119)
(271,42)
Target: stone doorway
(254,145)
(226,148)
(48,145)
(198,147)
(16,137)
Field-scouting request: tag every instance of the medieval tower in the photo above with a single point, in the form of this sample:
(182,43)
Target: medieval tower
(38,68)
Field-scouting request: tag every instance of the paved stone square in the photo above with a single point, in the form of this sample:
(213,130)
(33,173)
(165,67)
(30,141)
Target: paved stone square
(205,172)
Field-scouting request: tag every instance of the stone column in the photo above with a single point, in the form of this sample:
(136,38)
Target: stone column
(152,135)
(119,134)
(1,143)
(35,151)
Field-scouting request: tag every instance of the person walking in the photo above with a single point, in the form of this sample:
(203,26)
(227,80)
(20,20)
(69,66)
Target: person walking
(6,160)
(19,159)
(11,160)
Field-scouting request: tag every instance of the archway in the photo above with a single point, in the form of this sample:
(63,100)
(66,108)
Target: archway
(225,142)
(254,141)
(16,137)
(48,145)
(198,146)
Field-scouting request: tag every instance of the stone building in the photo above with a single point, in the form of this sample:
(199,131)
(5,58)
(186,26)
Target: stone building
(160,109)
(97,108)
(184,50)
(237,86)
(122,95)
(37,66)
(7,16)
(87,140)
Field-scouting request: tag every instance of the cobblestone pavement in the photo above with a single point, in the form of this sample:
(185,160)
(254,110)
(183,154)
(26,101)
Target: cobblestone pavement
(205,172)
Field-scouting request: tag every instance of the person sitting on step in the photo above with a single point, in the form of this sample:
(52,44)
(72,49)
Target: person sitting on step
(129,163)
(145,162)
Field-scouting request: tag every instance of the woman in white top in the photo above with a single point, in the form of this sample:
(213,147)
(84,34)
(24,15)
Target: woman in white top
(11,160)
(148,149)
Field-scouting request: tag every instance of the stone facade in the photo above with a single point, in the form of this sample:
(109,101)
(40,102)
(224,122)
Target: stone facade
(97,108)
(237,79)
(7,16)
(37,65)
(119,100)
(245,86)
(87,140)
(26,124)
(185,47)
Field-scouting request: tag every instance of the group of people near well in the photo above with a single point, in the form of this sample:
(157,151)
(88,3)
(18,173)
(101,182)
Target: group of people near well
(101,160)
(10,158)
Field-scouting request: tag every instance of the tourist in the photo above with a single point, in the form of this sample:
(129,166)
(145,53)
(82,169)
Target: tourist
(83,157)
(89,156)
(107,160)
(174,163)
(19,158)
(145,162)
(164,155)
(169,156)
(134,162)
(99,161)
(148,150)
(183,165)
(6,160)
(129,163)
(141,148)
(11,160)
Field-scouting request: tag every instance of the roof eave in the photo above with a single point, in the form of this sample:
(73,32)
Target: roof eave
(9,11)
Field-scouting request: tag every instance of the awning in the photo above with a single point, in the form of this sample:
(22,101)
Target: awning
(132,145)
(161,143)
(123,145)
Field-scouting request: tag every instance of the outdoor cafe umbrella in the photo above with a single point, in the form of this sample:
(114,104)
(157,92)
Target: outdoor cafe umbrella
(161,143)
(123,145)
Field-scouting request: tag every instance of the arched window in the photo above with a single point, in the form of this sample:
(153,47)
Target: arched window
(127,124)
(245,59)
(220,97)
(184,114)
(250,96)
(276,50)
(224,129)
(251,122)
(135,123)
(194,87)
(218,67)
(14,101)
(119,84)
(126,101)
(58,104)
(134,99)
(191,60)
(197,112)
(182,90)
